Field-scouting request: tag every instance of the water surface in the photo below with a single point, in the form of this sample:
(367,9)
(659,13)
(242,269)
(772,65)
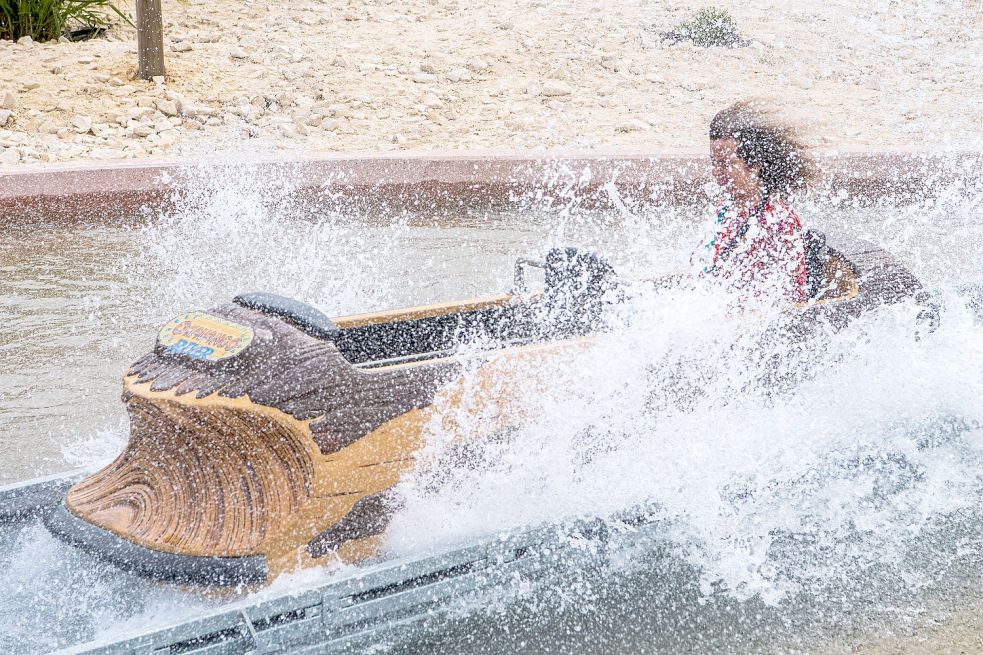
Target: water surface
(793,522)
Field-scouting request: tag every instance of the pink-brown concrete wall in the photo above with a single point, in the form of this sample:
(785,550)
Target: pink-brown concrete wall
(89,190)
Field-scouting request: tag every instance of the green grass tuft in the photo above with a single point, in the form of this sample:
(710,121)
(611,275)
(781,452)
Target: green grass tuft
(710,26)
(44,20)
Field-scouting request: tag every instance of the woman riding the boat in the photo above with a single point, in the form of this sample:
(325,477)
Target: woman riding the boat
(755,245)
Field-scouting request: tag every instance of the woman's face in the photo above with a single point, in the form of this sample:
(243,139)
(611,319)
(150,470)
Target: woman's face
(731,173)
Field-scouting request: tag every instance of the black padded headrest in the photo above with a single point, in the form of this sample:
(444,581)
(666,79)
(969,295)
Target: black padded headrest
(581,271)
(576,284)
(299,314)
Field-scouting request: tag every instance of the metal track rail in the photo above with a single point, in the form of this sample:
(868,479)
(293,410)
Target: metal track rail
(352,612)
(23,500)
(392,598)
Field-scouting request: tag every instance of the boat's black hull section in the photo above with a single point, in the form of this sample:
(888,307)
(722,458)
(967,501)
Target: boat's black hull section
(169,567)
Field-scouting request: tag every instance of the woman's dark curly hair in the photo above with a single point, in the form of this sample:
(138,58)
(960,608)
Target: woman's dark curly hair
(765,143)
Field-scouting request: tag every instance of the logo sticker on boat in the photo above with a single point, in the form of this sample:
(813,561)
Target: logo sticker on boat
(202,336)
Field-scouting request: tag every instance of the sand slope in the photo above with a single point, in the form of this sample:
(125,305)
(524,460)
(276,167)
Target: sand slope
(371,76)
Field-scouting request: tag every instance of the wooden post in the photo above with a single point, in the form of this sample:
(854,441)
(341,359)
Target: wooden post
(150,39)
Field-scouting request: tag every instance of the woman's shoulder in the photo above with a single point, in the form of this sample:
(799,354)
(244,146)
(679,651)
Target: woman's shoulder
(780,211)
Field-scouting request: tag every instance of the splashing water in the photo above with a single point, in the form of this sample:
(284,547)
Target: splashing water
(861,470)
(777,469)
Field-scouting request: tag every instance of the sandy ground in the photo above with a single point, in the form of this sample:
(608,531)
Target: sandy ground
(438,74)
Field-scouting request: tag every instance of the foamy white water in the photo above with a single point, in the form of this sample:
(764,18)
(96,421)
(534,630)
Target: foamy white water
(846,475)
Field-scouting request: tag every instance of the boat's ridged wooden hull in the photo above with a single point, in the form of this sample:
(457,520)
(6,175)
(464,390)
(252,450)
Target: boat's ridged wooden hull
(205,476)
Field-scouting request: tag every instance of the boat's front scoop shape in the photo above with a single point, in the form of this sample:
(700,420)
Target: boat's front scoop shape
(251,441)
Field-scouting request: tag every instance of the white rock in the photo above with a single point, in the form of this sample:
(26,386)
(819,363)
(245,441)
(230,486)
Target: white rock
(30,86)
(167,107)
(330,124)
(199,111)
(82,123)
(367,68)
(9,156)
(177,99)
(5,115)
(534,88)
(553,88)
(102,77)
(9,101)
(107,153)
(57,70)
(47,127)
(614,64)
(85,59)
(25,41)
(169,137)
(142,130)
(424,78)
(182,46)
(237,53)
(136,113)
(459,75)
(158,79)
(633,125)
(432,101)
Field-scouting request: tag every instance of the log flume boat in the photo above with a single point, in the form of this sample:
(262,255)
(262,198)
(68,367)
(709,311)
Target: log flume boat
(265,436)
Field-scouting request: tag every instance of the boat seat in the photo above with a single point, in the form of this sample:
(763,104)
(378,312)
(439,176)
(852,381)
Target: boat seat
(299,314)
(816,254)
(830,274)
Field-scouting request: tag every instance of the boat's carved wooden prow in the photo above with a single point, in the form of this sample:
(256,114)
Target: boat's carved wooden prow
(255,453)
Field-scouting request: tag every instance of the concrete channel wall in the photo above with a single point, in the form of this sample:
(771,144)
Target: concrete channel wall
(435,179)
